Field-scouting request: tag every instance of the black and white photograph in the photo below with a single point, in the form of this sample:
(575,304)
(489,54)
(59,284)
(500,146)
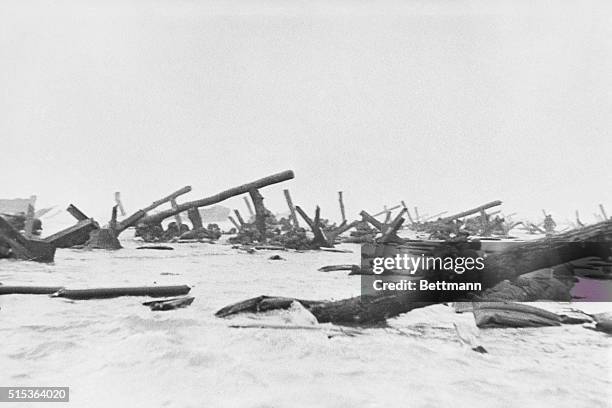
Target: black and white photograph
(306,203)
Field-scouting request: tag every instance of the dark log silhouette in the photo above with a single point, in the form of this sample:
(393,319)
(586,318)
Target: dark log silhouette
(529,256)
(138,215)
(77,234)
(29,249)
(319,236)
(105,293)
(248,205)
(260,213)
(28,290)
(224,195)
(76,213)
(239,218)
(196,219)
(472,211)
(234,222)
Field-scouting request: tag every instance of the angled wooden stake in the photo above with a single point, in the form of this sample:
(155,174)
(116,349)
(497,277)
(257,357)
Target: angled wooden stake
(331,236)
(319,236)
(296,224)
(29,222)
(260,212)
(408,213)
(391,232)
(373,221)
(234,222)
(239,218)
(177,216)
(248,204)
(119,203)
(387,217)
(76,213)
(113,222)
(341,206)
(578,220)
(603,212)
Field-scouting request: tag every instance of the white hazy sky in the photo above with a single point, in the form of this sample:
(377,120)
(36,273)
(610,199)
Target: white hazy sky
(445,104)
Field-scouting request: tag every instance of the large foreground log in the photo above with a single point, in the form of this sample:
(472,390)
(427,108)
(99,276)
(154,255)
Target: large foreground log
(594,240)
(356,310)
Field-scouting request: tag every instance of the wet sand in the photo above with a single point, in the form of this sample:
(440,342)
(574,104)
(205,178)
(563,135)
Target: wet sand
(116,352)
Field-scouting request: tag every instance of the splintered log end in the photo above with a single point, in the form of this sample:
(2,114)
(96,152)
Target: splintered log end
(246,306)
(263,304)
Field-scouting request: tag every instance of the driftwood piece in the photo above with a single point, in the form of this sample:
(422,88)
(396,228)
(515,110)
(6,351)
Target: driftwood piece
(502,314)
(28,290)
(344,267)
(156,247)
(262,304)
(170,304)
(106,293)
